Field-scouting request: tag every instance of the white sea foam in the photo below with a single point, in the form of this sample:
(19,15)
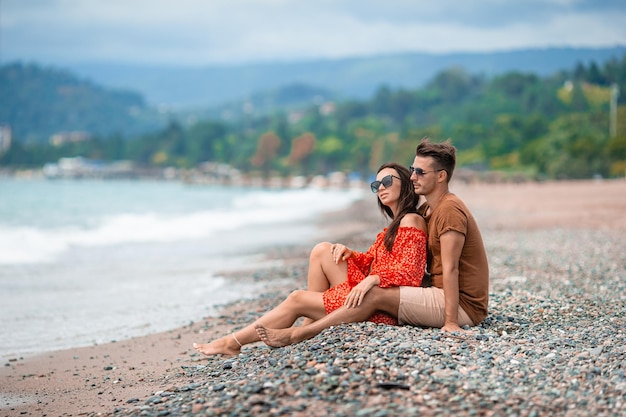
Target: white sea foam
(87,262)
(28,244)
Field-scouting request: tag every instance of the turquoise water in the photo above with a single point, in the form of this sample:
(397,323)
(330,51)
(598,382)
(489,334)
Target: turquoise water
(85,262)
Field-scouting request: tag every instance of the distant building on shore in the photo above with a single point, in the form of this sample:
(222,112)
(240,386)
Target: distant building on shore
(79,167)
(60,138)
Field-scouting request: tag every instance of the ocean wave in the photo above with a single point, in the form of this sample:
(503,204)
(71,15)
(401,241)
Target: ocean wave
(29,244)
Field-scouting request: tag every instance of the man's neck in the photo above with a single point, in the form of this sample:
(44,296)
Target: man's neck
(435,197)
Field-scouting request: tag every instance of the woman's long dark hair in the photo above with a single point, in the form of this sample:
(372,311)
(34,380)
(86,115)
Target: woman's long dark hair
(407,201)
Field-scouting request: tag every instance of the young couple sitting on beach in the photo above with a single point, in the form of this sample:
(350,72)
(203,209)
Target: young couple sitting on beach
(383,285)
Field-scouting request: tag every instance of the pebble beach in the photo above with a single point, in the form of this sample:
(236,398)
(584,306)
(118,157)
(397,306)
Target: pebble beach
(554,342)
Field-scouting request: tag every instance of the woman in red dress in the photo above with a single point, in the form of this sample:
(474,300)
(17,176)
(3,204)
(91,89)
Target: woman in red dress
(339,276)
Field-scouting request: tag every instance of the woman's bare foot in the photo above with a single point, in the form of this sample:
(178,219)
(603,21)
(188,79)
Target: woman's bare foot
(221,346)
(275,337)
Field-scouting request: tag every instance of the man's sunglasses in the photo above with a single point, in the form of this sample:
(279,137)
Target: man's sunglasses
(420,172)
(387,181)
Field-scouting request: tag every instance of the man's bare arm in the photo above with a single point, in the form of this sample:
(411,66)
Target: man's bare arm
(451,246)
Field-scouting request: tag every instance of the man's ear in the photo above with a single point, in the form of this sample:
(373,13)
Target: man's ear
(442,175)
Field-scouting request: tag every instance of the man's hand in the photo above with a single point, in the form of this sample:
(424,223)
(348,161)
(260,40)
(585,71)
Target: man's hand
(451,327)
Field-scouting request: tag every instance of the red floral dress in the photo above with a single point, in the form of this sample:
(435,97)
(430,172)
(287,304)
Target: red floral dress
(403,266)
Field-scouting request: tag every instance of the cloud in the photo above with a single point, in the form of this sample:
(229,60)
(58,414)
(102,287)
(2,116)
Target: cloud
(199,32)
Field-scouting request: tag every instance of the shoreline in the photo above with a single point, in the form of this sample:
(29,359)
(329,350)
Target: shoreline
(93,378)
(97,380)
(128,268)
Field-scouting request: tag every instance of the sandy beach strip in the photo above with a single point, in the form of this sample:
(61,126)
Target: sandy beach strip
(553,343)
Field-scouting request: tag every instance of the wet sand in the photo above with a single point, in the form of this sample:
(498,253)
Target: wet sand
(96,380)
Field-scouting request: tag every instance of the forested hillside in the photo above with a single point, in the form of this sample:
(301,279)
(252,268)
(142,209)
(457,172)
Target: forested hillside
(38,102)
(557,126)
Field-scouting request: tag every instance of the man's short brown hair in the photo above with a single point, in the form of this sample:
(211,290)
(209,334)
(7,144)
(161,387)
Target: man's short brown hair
(443,153)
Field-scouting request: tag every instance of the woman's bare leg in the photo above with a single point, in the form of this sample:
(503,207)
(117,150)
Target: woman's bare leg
(377,299)
(299,303)
(323,271)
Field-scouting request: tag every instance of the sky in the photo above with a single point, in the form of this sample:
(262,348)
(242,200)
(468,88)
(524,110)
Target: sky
(210,32)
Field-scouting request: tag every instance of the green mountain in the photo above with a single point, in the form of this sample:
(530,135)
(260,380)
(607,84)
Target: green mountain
(348,78)
(39,102)
(520,125)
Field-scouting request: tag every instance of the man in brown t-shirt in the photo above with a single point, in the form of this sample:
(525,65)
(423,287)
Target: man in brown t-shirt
(459,268)
(459,293)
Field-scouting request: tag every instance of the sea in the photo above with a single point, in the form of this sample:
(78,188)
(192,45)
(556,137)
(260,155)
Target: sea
(86,262)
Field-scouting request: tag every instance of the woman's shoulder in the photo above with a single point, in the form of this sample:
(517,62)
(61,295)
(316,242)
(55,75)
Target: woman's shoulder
(413,220)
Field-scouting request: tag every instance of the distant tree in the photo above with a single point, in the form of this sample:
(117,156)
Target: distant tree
(266,152)
(572,148)
(114,147)
(170,147)
(514,84)
(382,100)
(349,111)
(580,72)
(594,75)
(455,84)
(578,99)
(382,150)
(206,142)
(301,150)
(328,153)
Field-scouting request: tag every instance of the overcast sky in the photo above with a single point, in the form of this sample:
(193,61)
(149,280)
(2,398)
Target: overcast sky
(205,32)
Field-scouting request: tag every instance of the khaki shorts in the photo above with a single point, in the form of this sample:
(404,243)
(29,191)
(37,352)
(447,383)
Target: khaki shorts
(426,307)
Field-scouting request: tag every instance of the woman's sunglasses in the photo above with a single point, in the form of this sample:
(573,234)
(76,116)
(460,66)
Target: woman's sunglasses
(387,181)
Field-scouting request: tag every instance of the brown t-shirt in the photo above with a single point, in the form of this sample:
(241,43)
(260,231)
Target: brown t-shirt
(452,214)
